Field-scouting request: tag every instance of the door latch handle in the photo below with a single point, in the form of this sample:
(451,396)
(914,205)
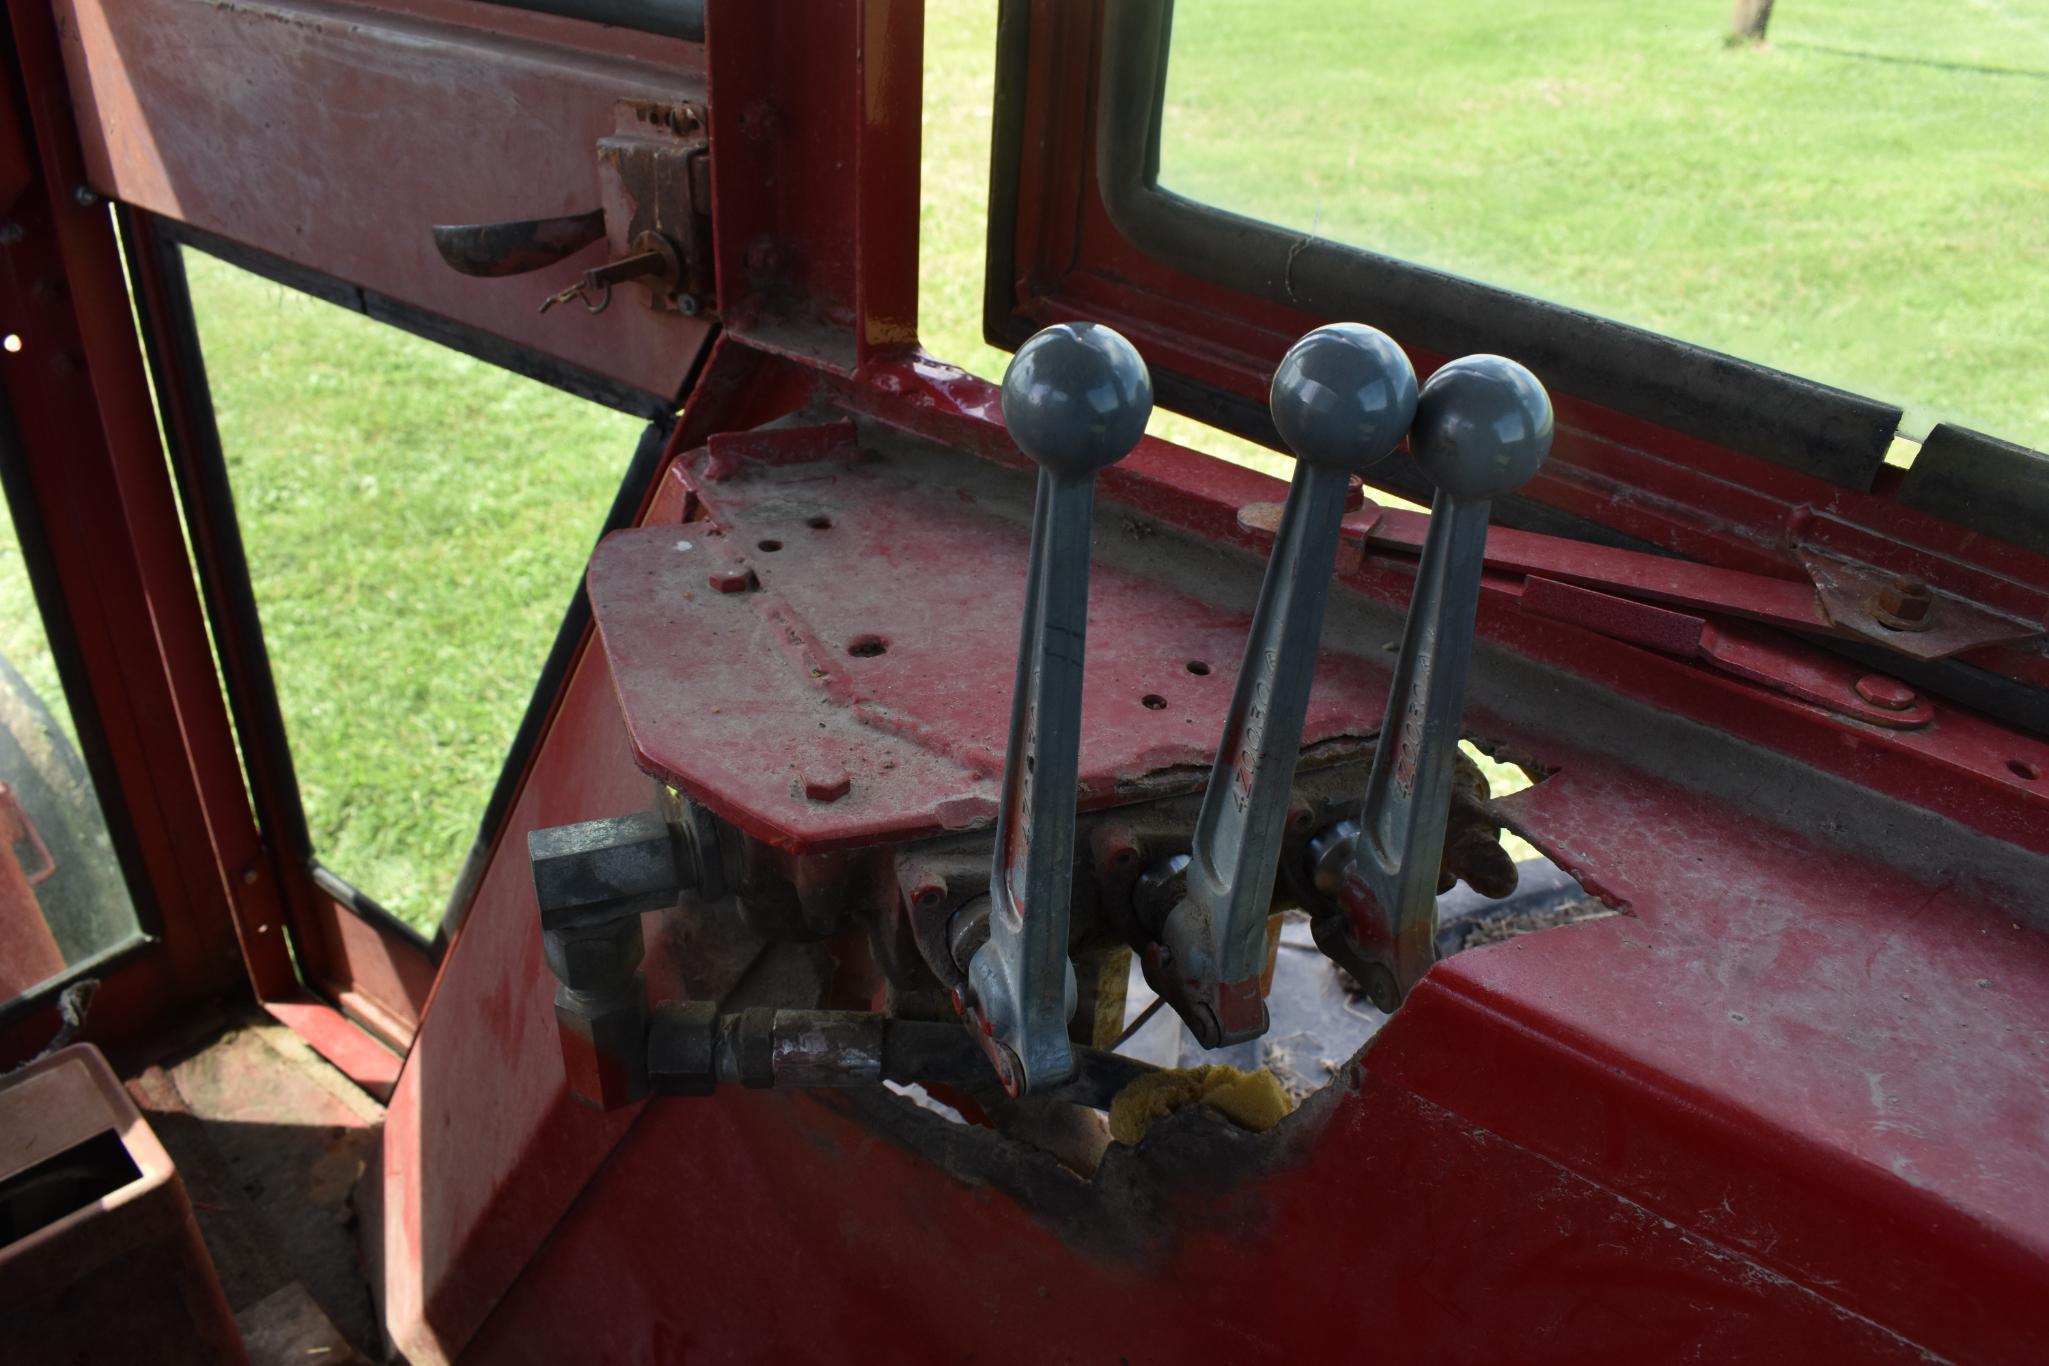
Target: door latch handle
(1342,399)
(1483,426)
(493,250)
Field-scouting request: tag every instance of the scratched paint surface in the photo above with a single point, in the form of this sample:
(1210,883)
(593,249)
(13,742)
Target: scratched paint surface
(883,645)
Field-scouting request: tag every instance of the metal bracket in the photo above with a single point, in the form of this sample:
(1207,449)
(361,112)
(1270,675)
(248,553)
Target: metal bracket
(654,177)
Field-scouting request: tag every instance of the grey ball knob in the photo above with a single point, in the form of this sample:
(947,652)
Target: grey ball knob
(1076,398)
(1483,426)
(1344,396)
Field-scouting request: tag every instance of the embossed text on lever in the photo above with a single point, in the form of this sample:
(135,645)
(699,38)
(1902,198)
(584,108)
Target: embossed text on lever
(1076,398)
(1342,400)
(1483,426)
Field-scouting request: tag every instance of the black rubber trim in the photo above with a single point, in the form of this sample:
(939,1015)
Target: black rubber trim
(100,964)
(670,18)
(1006,159)
(1791,422)
(208,499)
(363,906)
(1983,483)
(559,374)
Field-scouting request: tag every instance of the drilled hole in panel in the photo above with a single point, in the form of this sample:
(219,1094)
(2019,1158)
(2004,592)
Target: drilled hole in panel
(867,647)
(1154,702)
(1198,667)
(768,545)
(2022,769)
(819,523)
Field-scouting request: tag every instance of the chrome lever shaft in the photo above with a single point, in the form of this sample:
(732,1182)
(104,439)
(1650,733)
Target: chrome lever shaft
(1483,426)
(1076,398)
(1342,400)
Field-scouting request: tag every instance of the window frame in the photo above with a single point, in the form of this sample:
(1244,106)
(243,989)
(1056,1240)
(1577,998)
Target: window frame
(1661,445)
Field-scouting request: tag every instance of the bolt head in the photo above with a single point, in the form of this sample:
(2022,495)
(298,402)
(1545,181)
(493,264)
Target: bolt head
(10,234)
(604,1050)
(1483,426)
(1344,396)
(597,958)
(1904,601)
(1076,398)
(732,580)
(827,783)
(1887,694)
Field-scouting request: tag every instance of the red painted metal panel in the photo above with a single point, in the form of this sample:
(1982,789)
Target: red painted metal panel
(376,972)
(1569,1147)
(867,648)
(1829,1067)
(482,1152)
(336,136)
(826,94)
(1584,1153)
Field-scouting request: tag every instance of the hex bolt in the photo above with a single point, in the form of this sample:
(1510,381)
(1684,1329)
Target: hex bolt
(1904,604)
(732,580)
(592,882)
(1888,694)
(1075,398)
(85,196)
(826,783)
(1483,427)
(11,234)
(1342,399)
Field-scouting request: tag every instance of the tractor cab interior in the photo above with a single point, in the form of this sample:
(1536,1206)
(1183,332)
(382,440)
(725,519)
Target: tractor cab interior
(974,878)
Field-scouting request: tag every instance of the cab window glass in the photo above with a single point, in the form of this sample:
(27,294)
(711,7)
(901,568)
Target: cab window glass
(64,902)
(1859,198)
(415,522)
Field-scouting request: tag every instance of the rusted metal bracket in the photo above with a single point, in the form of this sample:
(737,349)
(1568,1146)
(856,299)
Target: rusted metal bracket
(1748,652)
(654,176)
(654,181)
(1904,613)
(1845,598)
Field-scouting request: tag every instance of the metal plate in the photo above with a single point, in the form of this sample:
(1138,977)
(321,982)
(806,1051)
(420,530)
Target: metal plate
(879,648)
(336,138)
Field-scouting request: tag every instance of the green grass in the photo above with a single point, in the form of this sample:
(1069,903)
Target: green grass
(1864,201)
(416,520)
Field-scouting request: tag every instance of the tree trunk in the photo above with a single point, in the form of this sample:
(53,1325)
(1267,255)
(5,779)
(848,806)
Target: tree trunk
(1747,23)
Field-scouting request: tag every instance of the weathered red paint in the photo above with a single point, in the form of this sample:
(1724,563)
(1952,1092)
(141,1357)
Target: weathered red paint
(422,113)
(1793,1099)
(867,644)
(1731,907)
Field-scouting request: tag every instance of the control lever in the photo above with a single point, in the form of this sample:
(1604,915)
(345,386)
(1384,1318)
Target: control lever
(1076,398)
(1483,426)
(1342,400)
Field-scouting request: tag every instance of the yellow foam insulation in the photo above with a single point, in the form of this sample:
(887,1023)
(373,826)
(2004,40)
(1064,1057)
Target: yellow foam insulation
(1250,1100)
